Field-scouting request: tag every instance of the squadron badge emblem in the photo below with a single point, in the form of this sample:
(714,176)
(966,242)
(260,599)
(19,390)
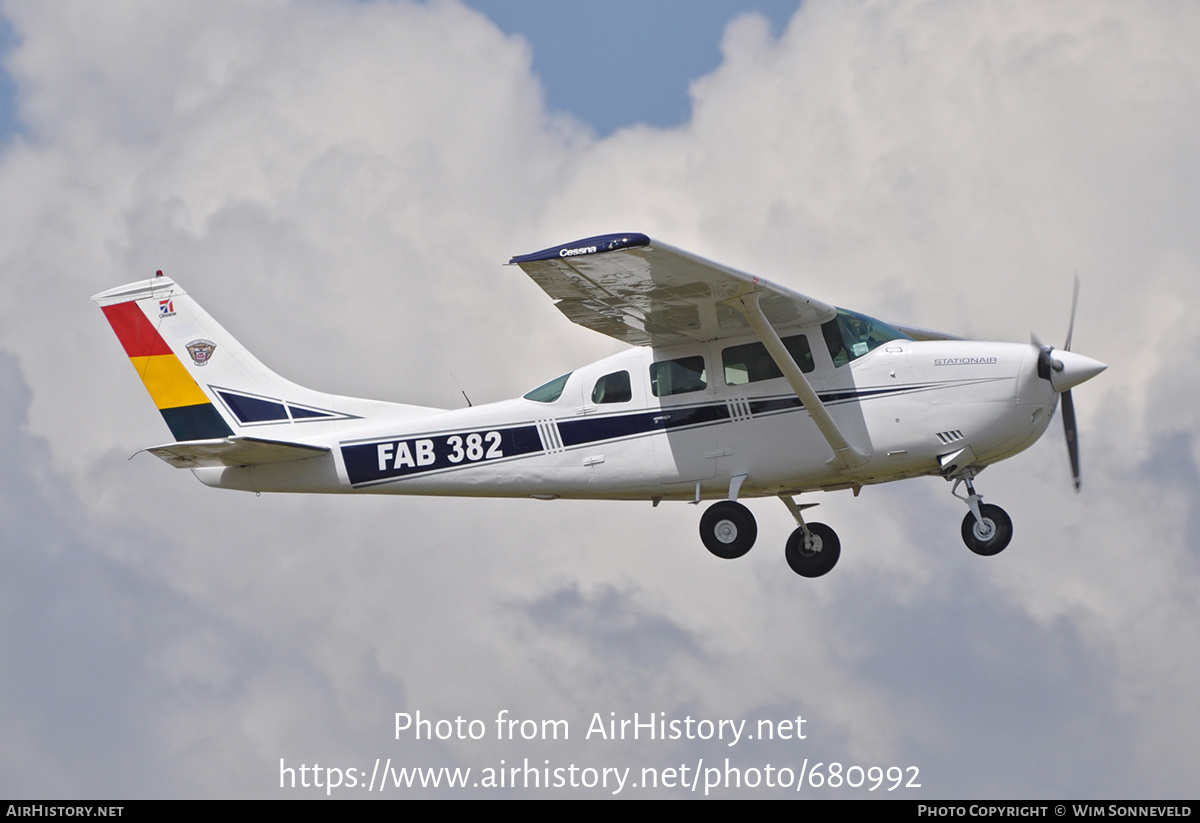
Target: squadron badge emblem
(201,351)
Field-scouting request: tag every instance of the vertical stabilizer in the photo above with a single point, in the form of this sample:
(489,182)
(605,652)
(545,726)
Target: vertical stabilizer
(188,411)
(204,382)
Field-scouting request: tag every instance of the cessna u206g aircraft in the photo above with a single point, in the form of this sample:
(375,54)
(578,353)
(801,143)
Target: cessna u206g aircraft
(736,388)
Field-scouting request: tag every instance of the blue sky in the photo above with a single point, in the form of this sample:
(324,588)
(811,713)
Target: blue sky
(609,63)
(614,63)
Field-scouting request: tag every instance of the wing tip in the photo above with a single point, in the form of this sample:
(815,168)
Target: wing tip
(588,245)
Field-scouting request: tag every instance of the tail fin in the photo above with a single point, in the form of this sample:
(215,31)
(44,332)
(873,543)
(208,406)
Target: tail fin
(205,383)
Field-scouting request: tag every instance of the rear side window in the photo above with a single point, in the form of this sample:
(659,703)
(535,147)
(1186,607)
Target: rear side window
(549,392)
(668,377)
(752,362)
(613,388)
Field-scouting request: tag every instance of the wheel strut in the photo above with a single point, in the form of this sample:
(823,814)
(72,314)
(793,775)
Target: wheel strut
(972,499)
(796,509)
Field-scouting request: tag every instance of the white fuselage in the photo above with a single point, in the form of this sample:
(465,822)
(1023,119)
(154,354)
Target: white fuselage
(907,404)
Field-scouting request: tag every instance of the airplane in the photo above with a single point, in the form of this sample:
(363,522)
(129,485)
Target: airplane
(734,387)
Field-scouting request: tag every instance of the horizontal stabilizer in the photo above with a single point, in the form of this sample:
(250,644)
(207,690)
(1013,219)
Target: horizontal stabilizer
(233,451)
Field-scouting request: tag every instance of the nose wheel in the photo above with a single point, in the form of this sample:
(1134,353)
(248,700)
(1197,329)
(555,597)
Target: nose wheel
(986,529)
(990,534)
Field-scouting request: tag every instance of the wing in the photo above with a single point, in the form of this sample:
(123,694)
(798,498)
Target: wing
(647,293)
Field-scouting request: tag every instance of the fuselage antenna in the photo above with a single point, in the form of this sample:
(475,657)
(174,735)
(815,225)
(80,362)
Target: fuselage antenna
(460,388)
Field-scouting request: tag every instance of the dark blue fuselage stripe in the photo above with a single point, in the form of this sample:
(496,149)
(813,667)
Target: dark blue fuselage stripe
(363,459)
(577,432)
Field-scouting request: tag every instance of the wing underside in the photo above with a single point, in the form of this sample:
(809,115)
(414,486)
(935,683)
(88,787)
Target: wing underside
(645,292)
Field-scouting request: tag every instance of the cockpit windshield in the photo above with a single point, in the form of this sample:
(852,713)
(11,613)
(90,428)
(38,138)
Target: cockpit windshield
(851,335)
(549,392)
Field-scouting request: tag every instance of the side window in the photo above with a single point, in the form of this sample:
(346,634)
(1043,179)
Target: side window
(833,340)
(549,392)
(668,377)
(752,362)
(613,388)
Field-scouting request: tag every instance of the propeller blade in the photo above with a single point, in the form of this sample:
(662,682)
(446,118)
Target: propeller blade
(1071,325)
(1068,416)
(1065,371)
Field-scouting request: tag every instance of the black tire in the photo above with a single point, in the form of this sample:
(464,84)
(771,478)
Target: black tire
(818,555)
(993,536)
(728,529)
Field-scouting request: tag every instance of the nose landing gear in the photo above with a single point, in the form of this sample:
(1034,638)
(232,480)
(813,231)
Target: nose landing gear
(986,529)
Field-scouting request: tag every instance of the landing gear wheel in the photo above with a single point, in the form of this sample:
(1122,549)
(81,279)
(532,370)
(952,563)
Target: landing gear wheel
(815,553)
(728,529)
(992,535)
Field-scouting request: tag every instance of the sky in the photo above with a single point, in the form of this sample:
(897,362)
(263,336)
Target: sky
(341,183)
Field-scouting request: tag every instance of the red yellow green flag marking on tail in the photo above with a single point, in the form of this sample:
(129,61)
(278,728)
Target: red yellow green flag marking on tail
(188,412)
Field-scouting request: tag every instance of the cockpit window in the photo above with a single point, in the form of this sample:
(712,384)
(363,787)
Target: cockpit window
(549,392)
(680,376)
(613,388)
(851,335)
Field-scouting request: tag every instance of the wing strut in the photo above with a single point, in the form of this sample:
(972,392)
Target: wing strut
(845,456)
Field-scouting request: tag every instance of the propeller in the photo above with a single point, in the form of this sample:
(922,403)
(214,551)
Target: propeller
(1064,369)
(1068,416)
(1068,405)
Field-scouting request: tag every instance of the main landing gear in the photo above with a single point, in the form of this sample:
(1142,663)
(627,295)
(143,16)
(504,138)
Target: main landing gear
(813,552)
(728,530)
(986,529)
(812,549)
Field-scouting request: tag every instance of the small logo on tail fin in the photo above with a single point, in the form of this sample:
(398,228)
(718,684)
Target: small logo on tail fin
(201,351)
